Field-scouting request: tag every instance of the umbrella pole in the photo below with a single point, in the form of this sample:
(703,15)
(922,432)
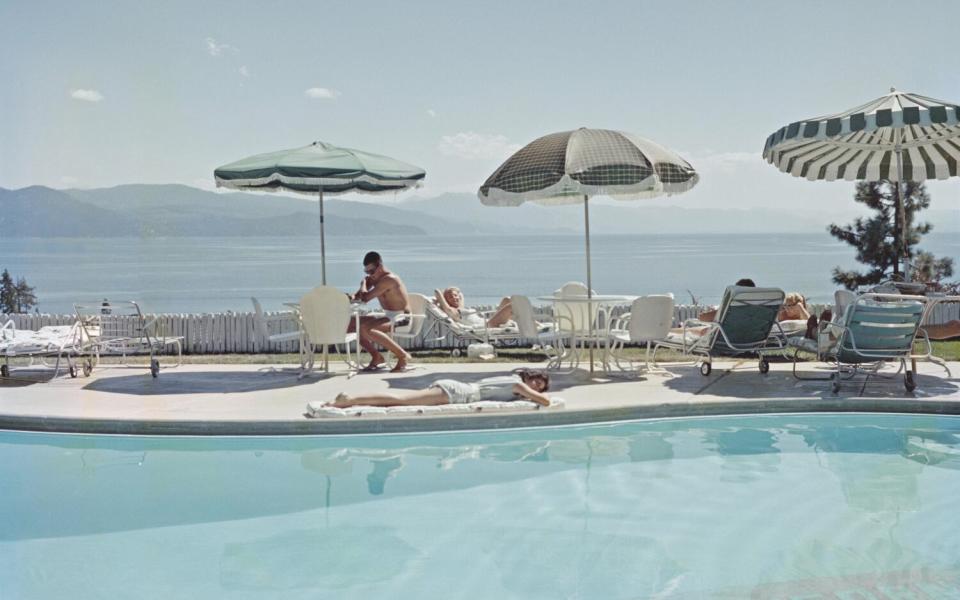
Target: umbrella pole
(323,247)
(323,269)
(586,227)
(901,211)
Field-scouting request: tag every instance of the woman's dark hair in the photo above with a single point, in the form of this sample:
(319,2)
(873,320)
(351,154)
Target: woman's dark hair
(746,282)
(528,375)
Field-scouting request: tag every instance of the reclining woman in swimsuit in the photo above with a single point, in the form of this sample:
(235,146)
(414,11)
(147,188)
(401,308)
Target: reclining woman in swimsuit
(522,385)
(451,302)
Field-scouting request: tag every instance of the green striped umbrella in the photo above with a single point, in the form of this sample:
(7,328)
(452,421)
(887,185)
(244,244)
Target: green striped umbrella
(898,137)
(321,169)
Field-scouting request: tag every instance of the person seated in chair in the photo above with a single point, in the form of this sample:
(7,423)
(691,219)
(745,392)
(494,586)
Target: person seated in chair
(451,302)
(709,315)
(794,308)
(386,286)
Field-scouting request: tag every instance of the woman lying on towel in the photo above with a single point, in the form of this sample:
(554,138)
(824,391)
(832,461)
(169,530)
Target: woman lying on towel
(451,302)
(522,385)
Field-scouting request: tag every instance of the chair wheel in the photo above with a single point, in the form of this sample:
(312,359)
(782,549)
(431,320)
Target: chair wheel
(764,366)
(4,371)
(456,352)
(705,368)
(87,368)
(909,382)
(73,371)
(154,367)
(836,387)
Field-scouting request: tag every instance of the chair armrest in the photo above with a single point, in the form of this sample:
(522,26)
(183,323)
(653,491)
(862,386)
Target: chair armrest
(399,317)
(926,340)
(621,322)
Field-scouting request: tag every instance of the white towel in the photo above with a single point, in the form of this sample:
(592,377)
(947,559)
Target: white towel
(319,409)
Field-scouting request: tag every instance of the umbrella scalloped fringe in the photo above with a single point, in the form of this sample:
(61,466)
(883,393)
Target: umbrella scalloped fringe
(569,191)
(263,184)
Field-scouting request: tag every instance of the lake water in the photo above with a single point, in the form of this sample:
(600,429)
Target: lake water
(219,274)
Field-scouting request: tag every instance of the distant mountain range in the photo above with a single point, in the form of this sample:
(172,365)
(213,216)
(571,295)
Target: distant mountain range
(179,211)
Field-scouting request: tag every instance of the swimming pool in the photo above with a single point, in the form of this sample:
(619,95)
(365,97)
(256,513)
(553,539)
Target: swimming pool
(776,506)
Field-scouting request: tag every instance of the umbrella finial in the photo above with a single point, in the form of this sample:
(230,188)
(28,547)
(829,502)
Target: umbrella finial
(893,90)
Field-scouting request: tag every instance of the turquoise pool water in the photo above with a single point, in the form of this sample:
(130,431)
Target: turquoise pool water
(781,506)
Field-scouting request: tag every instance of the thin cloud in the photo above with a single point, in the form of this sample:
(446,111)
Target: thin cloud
(431,112)
(86,95)
(471,145)
(244,71)
(321,93)
(215,49)
(725,162)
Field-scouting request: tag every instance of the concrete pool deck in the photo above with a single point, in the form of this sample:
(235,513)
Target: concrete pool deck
(249,400)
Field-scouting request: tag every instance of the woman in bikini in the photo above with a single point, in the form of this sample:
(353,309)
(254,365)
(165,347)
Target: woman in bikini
(524,384)
(451,302)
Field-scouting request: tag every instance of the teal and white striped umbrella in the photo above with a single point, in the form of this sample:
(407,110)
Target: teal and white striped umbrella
(898,137)
(320,169)
(866,142)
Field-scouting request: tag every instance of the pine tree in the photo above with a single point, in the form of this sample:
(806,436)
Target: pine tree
(877,238)
(8,293)
(25,298)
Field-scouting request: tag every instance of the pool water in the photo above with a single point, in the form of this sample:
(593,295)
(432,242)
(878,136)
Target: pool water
(779,506)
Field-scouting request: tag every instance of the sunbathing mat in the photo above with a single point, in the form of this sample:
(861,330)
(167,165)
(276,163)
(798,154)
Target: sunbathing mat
(317,409)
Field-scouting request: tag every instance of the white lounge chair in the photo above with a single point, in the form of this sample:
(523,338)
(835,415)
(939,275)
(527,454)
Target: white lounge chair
(465,334)
(66,344)
(324,318)
(123,329)
(649,320)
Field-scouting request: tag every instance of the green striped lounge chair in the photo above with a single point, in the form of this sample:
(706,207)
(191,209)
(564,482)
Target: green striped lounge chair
(875,329)
(746,323)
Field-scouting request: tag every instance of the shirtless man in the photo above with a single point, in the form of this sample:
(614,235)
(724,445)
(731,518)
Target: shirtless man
(382,284)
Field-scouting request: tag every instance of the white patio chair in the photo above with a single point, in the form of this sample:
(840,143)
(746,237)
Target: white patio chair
(408,326)
(649,320)
(324,318)
(578,321)
(550,341)
(841,300)
(262,328)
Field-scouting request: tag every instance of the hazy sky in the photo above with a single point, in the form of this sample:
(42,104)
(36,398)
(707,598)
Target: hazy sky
(102,93)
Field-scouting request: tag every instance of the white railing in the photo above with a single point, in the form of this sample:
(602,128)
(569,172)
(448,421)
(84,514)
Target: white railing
(230,332)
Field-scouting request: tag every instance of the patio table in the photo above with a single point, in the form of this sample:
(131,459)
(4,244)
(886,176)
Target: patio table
(582,338)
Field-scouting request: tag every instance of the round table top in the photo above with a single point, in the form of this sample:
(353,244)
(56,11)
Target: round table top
(355,307)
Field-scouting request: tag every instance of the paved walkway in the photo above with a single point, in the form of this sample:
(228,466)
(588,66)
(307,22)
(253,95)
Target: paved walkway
(249,400)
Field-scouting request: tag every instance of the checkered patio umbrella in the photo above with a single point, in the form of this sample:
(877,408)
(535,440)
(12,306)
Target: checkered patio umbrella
(321,169)
(571,166)
(897,137)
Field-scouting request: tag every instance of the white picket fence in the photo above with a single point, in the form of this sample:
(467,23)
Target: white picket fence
(229,333)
